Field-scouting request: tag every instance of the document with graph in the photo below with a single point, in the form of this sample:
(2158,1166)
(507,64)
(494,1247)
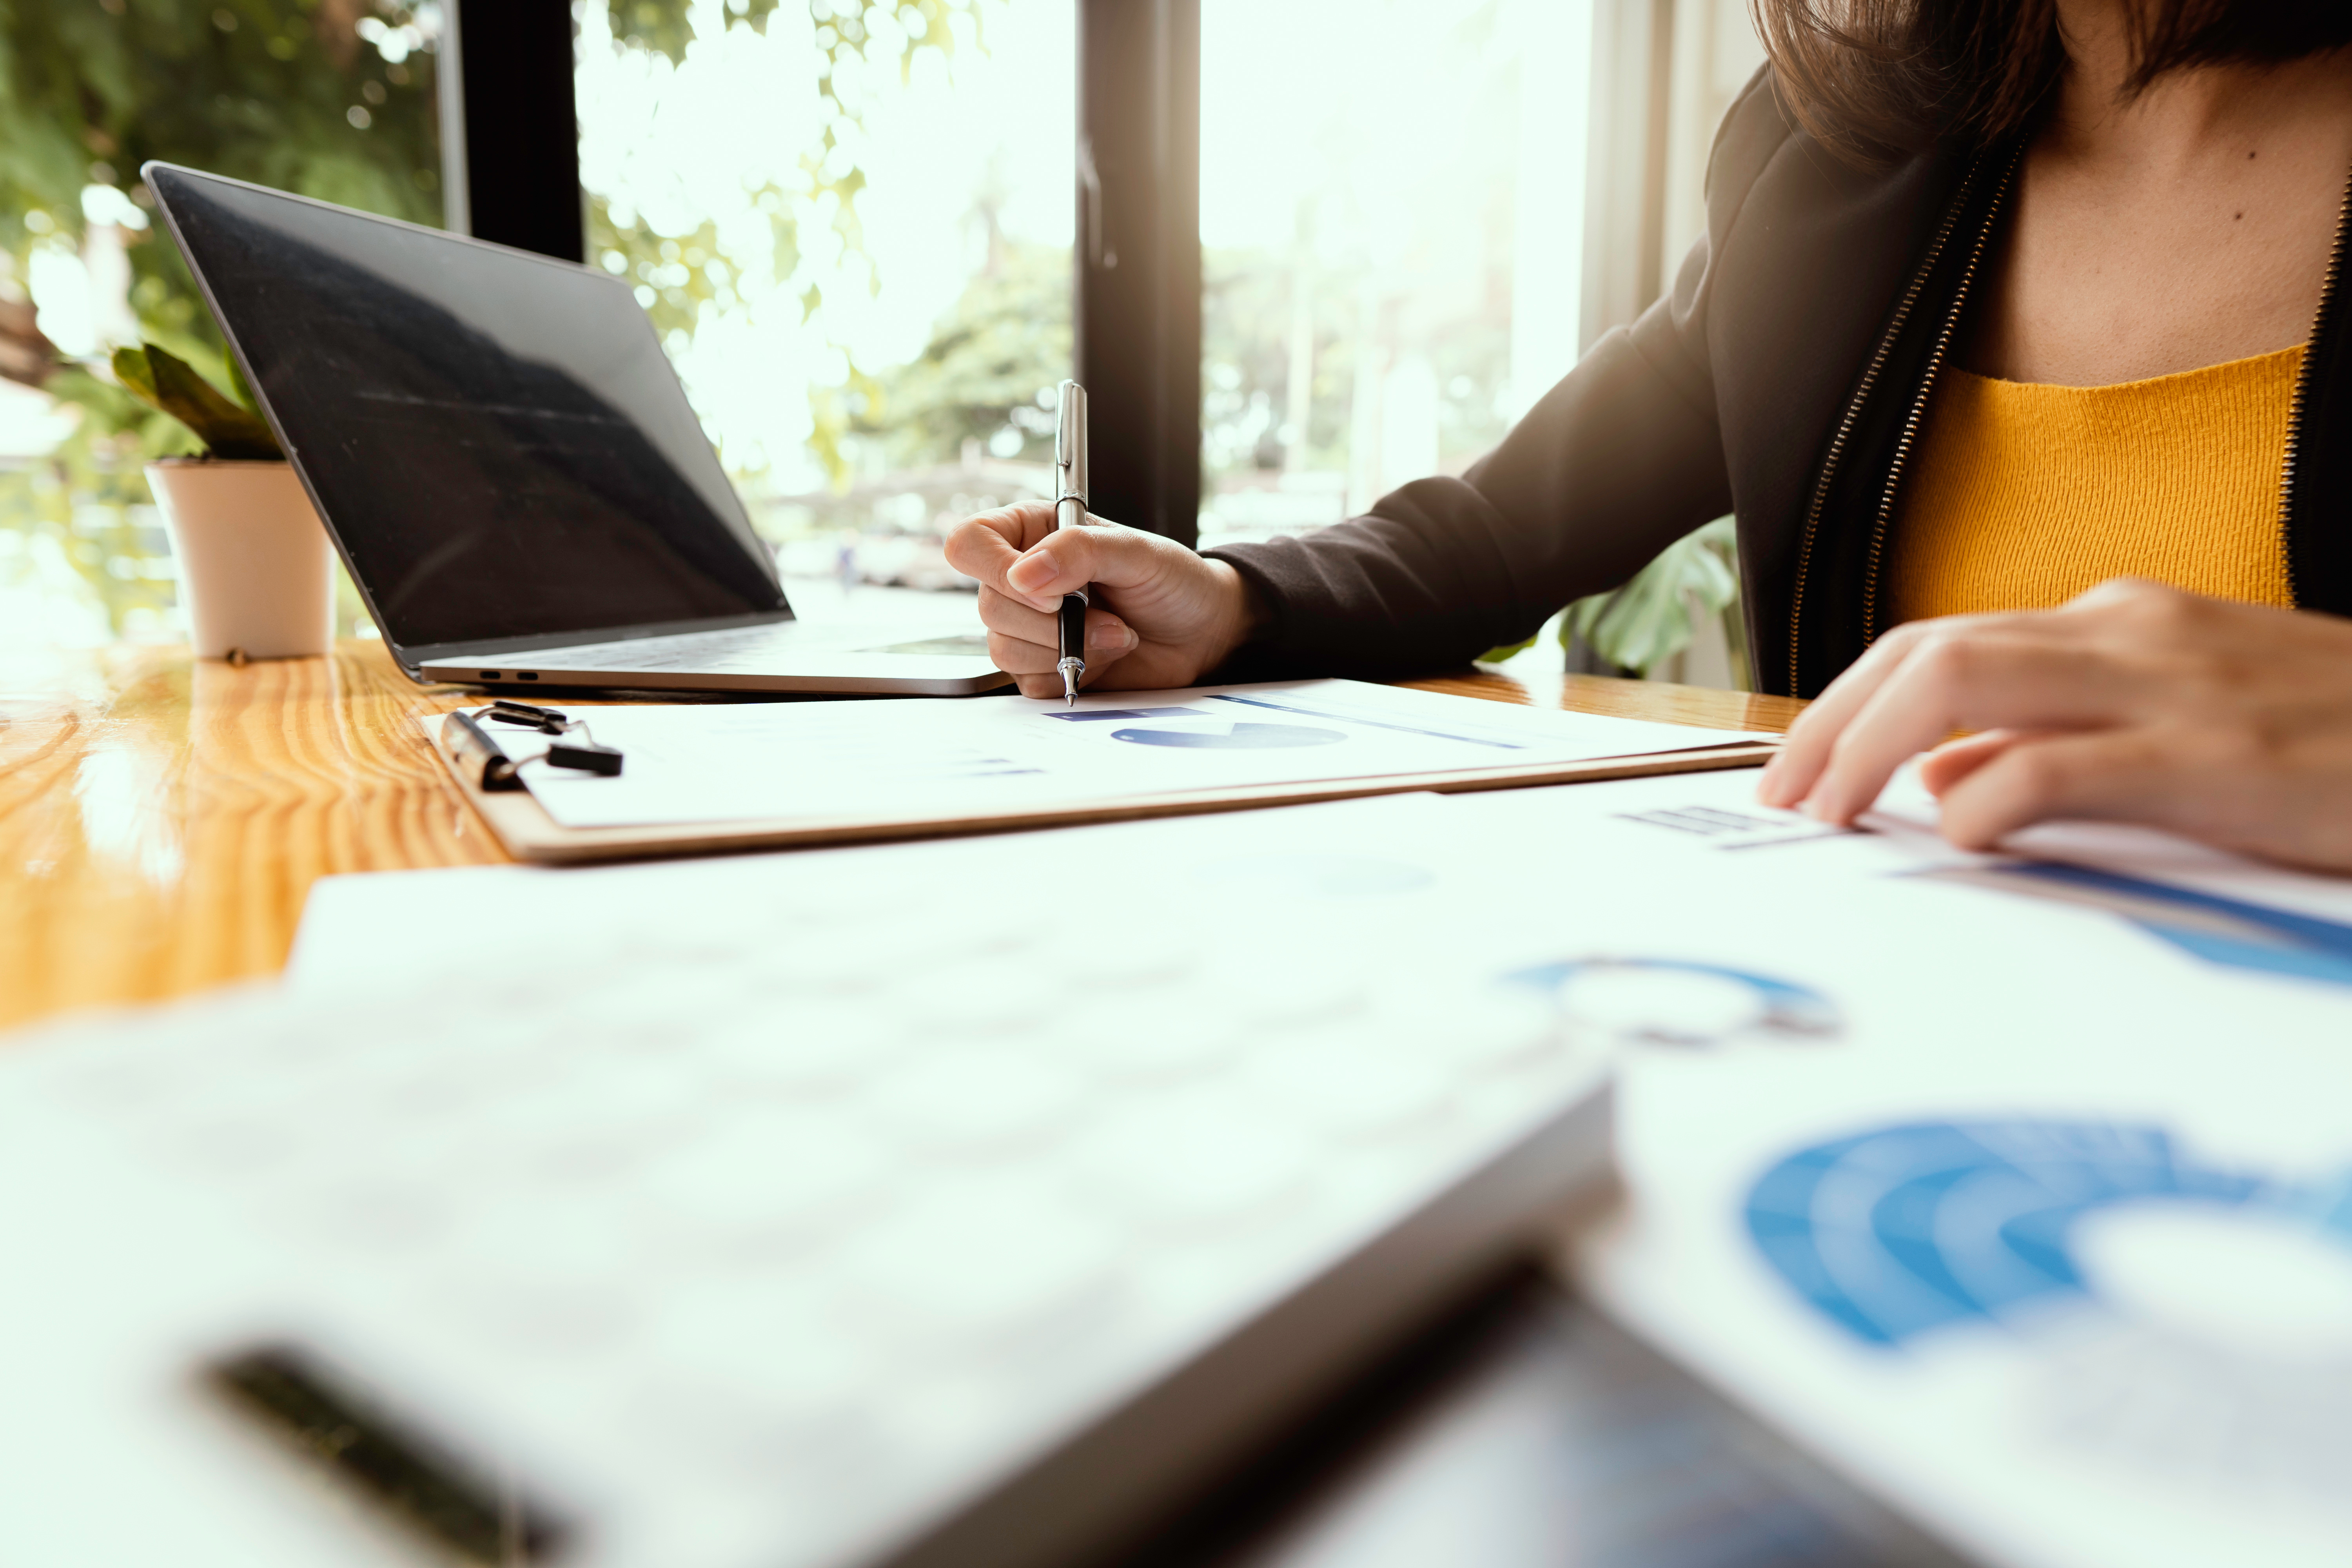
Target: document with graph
(995,758)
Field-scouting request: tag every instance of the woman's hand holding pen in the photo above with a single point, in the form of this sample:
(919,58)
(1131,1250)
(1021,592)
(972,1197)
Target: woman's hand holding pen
(2133,702)
(1162,615)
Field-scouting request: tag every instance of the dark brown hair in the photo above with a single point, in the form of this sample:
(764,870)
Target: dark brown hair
(1874,77)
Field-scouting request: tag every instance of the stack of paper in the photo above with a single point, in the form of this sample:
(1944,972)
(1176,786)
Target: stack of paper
(961,761)
(2018,1186)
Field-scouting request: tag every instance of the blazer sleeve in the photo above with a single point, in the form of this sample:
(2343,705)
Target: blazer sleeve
(1619,460)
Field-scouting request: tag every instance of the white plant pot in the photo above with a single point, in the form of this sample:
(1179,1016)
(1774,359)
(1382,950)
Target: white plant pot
(257,575)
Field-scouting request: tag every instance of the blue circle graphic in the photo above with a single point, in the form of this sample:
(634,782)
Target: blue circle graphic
(1909,1228)
(1783,1009)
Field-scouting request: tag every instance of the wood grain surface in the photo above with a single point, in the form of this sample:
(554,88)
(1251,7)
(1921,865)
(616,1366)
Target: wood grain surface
(1650,699)
(163,817)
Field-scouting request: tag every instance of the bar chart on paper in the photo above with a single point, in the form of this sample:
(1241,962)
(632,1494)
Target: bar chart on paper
(1211,737)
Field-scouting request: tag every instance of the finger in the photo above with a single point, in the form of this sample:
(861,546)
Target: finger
(1013,618)
(1108,637)
(1951,762)
(1018,657)
(1791,773)
(2115,773)
(1796,767)
(1071,558)
(984,545)
(1107,641)
(1968,678)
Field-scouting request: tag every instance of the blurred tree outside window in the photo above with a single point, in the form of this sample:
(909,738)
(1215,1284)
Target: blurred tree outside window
(1407,244)
(1357,233)
(850,223)
(332,98)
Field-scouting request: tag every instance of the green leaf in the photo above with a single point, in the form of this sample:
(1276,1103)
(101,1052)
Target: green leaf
(240,388)
(1648,621)
(130,367)
(666,26)
(226,428)
(1512,650)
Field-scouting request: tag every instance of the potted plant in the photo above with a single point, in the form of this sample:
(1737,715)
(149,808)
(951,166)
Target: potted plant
(257,575)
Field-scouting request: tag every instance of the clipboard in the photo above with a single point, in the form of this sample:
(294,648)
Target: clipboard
(524,827)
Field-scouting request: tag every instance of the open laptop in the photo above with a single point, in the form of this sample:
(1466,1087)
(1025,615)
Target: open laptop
(504,456)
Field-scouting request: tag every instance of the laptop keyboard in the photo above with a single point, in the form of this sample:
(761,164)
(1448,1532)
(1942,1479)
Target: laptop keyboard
(736,648)
(766,1233)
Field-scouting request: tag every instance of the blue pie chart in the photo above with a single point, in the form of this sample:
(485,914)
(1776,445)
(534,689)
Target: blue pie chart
(1901,1230)
(1241,738)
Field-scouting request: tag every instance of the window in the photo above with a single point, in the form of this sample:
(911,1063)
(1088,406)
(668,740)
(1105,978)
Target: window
(1409,244)
(850,225)
(1356,229)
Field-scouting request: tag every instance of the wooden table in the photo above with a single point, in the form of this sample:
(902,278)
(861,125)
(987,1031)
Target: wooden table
(161,817)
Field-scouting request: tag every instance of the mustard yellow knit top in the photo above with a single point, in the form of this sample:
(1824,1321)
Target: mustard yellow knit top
(2020,495)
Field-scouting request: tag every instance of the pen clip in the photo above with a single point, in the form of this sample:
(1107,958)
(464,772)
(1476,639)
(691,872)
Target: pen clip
(1070,444)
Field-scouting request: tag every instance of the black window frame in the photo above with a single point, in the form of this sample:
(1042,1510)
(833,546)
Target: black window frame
(1136,273)
(510,126)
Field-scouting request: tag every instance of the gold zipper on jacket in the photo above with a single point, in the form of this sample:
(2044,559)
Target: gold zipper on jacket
(1919,407)
(2303,395)
(1853,410)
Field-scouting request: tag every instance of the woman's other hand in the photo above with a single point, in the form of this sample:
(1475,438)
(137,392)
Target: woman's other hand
(1162,615)
(2133,702)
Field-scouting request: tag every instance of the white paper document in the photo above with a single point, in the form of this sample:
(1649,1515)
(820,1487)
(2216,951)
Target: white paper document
(2018,1185)
(1343,879)
(981,756)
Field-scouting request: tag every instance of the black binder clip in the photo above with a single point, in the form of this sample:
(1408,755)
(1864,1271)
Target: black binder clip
(548,721)
(501,772)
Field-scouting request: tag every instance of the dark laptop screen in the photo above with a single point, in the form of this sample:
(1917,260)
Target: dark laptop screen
(499,444)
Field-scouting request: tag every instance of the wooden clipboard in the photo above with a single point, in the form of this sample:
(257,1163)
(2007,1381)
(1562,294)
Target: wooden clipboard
(519,823)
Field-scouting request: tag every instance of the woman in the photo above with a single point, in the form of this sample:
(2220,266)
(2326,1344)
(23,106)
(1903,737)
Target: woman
(1999,303)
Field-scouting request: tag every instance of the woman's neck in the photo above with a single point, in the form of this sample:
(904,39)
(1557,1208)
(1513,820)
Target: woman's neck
(2181,225)
(2185,115)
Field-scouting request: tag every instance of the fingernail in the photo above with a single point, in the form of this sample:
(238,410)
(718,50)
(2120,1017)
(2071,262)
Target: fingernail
(1031,572)
(1113,633)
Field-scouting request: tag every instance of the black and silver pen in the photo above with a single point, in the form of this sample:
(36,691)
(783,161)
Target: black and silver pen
(1070,512)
